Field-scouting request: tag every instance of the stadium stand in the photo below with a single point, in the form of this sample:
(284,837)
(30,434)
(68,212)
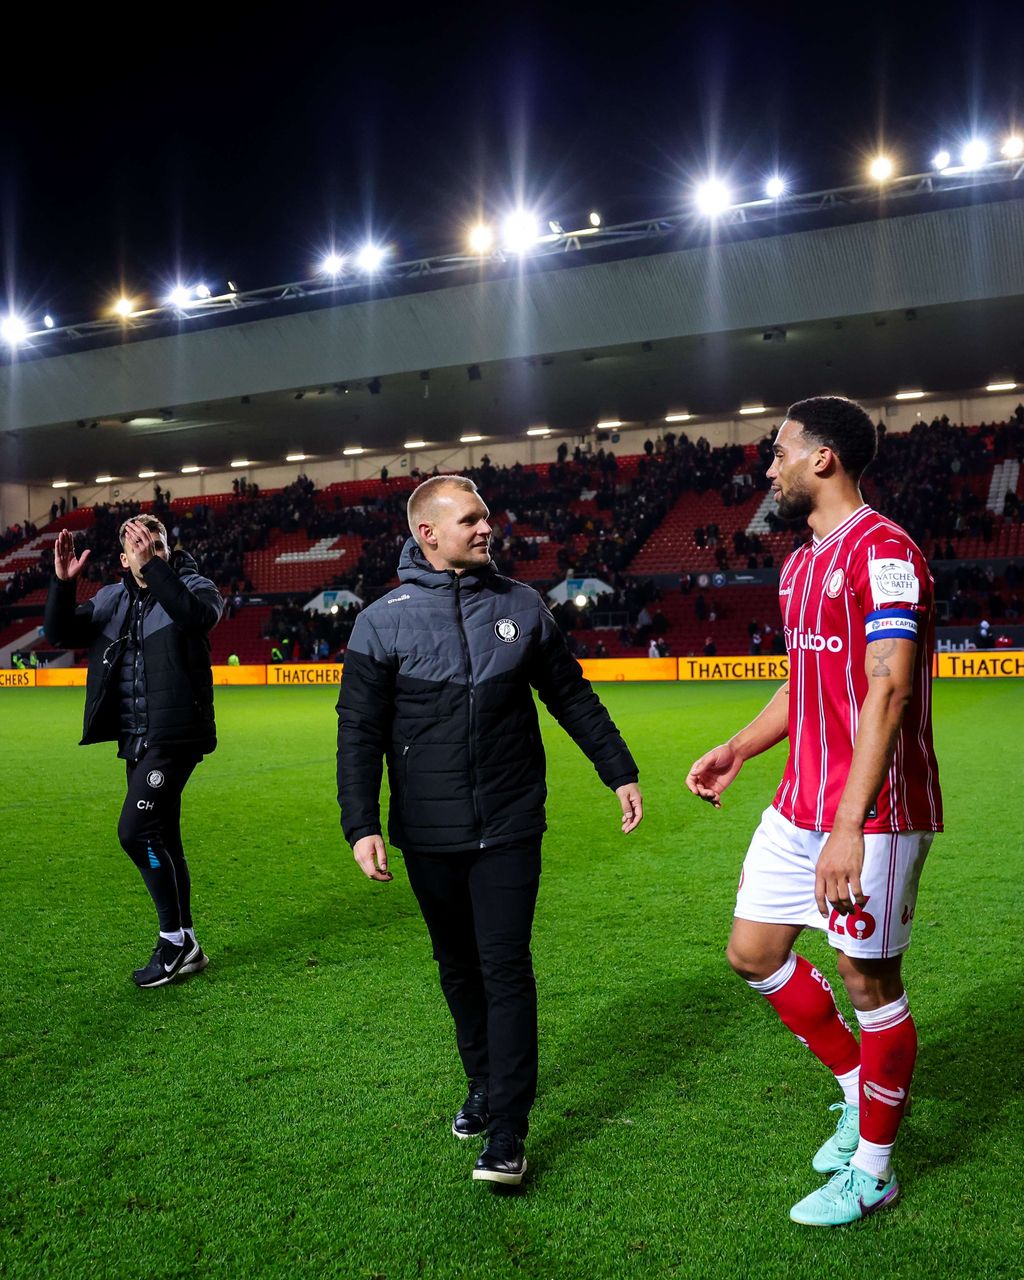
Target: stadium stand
(680,511)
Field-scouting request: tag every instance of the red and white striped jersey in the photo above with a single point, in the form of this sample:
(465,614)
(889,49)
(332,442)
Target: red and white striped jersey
(866,581)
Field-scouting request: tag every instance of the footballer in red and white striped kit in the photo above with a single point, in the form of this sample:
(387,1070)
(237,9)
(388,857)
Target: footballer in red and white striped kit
(843,844)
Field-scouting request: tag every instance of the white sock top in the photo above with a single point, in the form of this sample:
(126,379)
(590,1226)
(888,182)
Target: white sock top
(769,986)
(889,1015)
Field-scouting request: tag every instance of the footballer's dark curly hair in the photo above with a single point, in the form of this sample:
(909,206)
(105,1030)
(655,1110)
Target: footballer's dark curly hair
(843,426)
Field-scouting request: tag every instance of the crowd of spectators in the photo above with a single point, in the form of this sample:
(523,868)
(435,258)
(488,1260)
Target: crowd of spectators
(973,592)
(921,478)
(15,534)
(306,635)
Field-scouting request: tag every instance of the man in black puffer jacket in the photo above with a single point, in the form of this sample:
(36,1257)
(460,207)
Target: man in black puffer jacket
(150,689)
(438,680)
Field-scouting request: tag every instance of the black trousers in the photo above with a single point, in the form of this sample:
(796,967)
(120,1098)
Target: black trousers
(149,830)
(478,908)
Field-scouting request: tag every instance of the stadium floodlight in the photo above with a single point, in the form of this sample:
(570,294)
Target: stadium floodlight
(370,258)
(203,292)
(242,462)
(190,470)
(13,330)
(332,264)
(1013,147)
(179,296)
(295,457)
(353,450)
(49,321)
(712,197)
(941,159)
(472,439)
(752,409)
(415,444)
(104,479)
(775,187)
(678,417)
(974,153)
(538,431)
(595,218)
(520,231)
(909,395)
(881,168)
(555,227)
(581,601)
(1001,386)
(124,307)
(481,238)
(608,424)
(146,475)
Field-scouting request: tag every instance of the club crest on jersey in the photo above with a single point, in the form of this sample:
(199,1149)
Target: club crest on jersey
(893,580)
(154,778)
(834,586)
(507,630)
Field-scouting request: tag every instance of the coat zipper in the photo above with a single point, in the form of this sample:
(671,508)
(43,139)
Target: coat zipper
(137,622)
(472,710)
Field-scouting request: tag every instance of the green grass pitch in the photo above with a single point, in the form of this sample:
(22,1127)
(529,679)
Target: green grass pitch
(287,1113)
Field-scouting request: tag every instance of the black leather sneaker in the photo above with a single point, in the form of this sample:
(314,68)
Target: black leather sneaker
(502,1160)
(472,1118)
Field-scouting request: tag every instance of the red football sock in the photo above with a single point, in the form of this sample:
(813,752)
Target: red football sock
(888,1048)
(803,999)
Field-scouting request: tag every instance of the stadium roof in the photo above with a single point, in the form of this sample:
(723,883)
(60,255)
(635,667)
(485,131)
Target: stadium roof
(933,299)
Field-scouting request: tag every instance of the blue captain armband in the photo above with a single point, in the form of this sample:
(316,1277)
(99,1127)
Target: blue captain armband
(891,624)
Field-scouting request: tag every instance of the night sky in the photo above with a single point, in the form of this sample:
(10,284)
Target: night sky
(169,141)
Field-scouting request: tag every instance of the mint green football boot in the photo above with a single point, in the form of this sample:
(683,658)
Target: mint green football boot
(848,1196)
(836,1152)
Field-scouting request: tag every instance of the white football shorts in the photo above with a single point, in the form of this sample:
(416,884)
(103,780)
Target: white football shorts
(777,886)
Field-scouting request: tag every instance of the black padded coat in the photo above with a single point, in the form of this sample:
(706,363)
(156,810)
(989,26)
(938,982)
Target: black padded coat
(438,680)
(175,650)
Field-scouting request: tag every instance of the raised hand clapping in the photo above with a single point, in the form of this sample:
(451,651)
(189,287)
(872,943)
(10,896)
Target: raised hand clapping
(66,564)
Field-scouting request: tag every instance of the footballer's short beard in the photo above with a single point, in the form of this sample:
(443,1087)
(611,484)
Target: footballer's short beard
(796,505)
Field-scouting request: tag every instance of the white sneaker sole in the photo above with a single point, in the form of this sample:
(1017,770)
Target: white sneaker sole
(492,1175)
(465,1137)
(196,966)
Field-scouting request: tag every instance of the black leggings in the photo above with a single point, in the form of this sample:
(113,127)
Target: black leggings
(149,830)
